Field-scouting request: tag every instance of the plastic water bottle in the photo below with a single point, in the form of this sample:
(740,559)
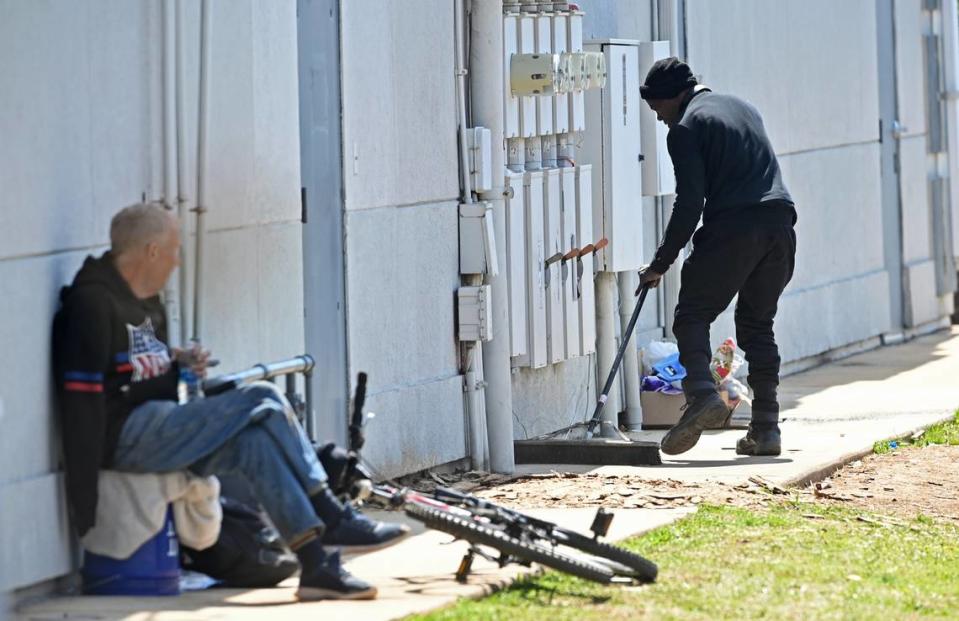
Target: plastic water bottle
(190,387)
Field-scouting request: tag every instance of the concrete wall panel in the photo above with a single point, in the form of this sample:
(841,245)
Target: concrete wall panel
(785,58)
(402,276)
(35,541)
(416,427)
(399,116)
(31,294)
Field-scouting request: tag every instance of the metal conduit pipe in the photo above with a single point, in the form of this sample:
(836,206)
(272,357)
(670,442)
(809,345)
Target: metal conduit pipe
(950,37)
(181,175)
(472,351)
(628,281)
(206,29)
(171,291)
(486,95)
(606,345)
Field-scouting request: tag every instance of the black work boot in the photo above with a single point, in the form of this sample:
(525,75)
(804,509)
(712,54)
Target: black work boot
(323,577)
(703,410)
(760,440)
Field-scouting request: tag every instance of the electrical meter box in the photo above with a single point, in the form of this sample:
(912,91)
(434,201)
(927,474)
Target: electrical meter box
(612,144)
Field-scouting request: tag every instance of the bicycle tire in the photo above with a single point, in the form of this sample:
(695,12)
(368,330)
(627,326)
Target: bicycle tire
(640,568)
(477,533)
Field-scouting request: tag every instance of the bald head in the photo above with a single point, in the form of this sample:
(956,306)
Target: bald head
(138,225)
(145,244)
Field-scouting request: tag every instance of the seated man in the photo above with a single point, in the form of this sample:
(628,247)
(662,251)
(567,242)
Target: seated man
(117,382)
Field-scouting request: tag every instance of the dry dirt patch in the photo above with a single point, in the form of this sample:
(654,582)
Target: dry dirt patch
(907,482)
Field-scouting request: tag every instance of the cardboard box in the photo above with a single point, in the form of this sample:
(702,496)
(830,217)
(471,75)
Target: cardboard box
(662,411)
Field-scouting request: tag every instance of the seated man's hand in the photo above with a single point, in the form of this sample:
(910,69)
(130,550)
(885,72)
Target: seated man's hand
(196,357)
(648,276)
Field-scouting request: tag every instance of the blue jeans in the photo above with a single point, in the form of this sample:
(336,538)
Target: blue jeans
(250,432)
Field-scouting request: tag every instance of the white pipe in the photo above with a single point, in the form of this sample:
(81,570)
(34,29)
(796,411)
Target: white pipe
(181,174)
(950,35)
(171,291)
(473,351)
(206,28)
(487,92)
(634,413)
(606,346)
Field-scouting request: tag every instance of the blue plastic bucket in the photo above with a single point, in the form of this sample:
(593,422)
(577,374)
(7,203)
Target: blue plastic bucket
(154,569)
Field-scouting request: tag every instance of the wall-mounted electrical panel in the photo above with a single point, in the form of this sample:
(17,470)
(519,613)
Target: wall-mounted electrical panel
(535,270)
(585,292)
(516,260)
(552,236)
(570,248)
(613,145)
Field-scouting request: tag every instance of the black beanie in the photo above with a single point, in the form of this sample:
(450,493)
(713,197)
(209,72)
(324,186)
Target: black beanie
(666,79)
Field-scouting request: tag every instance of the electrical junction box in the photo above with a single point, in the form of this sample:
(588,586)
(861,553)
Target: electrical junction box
(478,142)
(477,240)
(475,313)
(612,144)
(658,176)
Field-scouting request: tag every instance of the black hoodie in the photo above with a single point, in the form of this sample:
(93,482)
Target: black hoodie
(109,356)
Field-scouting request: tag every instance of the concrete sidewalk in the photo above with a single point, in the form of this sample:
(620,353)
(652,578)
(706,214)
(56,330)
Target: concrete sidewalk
(832,414)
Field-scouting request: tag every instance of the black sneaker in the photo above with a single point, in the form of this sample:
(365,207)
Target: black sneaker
(702,411)
(763,441)
(328,580)
(357,533)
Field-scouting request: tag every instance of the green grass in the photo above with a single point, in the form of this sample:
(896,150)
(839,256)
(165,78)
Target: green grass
(731,563)
(946,433)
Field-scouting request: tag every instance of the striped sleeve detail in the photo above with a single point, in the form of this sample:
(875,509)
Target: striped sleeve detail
(80,376)
(79,381)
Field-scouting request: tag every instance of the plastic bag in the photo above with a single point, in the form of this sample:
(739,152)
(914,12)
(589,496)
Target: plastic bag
(656,352)
(670,369)
(735,392)
(725,361)
(653,383)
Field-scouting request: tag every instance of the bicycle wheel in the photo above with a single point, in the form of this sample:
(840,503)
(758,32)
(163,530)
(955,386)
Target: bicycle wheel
(636,566)
(475,532)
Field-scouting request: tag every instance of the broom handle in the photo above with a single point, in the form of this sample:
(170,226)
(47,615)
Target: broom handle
(601,402)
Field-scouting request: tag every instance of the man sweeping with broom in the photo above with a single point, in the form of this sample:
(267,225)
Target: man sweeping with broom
(726,172)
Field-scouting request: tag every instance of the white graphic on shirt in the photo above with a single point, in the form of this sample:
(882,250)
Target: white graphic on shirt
(149,356)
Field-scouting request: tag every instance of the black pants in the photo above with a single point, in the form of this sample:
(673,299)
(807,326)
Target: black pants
(751,253)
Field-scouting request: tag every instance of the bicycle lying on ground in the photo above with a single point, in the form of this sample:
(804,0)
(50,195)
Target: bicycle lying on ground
(515,536)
